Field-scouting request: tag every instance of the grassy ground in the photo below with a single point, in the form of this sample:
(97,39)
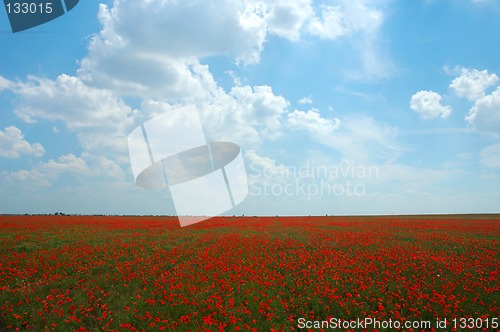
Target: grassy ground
(66,273)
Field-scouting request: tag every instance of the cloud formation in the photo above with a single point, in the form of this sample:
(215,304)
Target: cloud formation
(472,83)
(346,18)
(428,105)
(287,18)
(312,122)
(13,144)
(485,114)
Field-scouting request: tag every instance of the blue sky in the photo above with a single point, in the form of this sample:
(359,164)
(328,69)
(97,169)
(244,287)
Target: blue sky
(339,107)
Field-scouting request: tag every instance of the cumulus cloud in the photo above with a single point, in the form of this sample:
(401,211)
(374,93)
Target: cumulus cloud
(33,177)
(146,76)
(69,100)
(245,115)
(159,60)
(485,114)
(97,116)
(261,105)
(428,105)
(286,18)
(472,83)
(85,166)
(65,163)
(185,29)
(13,144)
(305,100)
(264,167)
(100,120)
(312,122)
(108,167)
(44,172)
(158,57)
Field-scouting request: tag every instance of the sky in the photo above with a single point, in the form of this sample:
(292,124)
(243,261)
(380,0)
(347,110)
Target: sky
(341,107)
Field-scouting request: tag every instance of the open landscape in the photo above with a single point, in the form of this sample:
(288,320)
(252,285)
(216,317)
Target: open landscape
(110,273)
(226,165)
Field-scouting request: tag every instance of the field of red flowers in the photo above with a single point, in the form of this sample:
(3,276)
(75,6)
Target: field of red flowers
(76,273)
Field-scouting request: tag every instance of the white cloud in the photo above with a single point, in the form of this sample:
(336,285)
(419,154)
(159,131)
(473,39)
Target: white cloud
(312,122)
(100,120)
(86,166)
(13,144)
(428,105)
(490,156)
(33,177)
(42,173)
(347,18)
(158,60)
(97,116)
(68,99)
(331,24)
(305,100)
(264,167)
(65,163)
(185,29)
(472,83)
(286,18)
(261,106)
(360,21)
(485,114)
(245,116)
(146,76)
(109,168)
(159,57)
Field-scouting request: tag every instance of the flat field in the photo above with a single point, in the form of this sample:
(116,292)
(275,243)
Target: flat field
(104,273)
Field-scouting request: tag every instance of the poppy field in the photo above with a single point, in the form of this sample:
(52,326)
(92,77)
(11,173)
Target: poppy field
(110,273)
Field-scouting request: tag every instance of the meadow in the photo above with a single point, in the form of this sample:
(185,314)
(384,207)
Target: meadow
(110,273)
